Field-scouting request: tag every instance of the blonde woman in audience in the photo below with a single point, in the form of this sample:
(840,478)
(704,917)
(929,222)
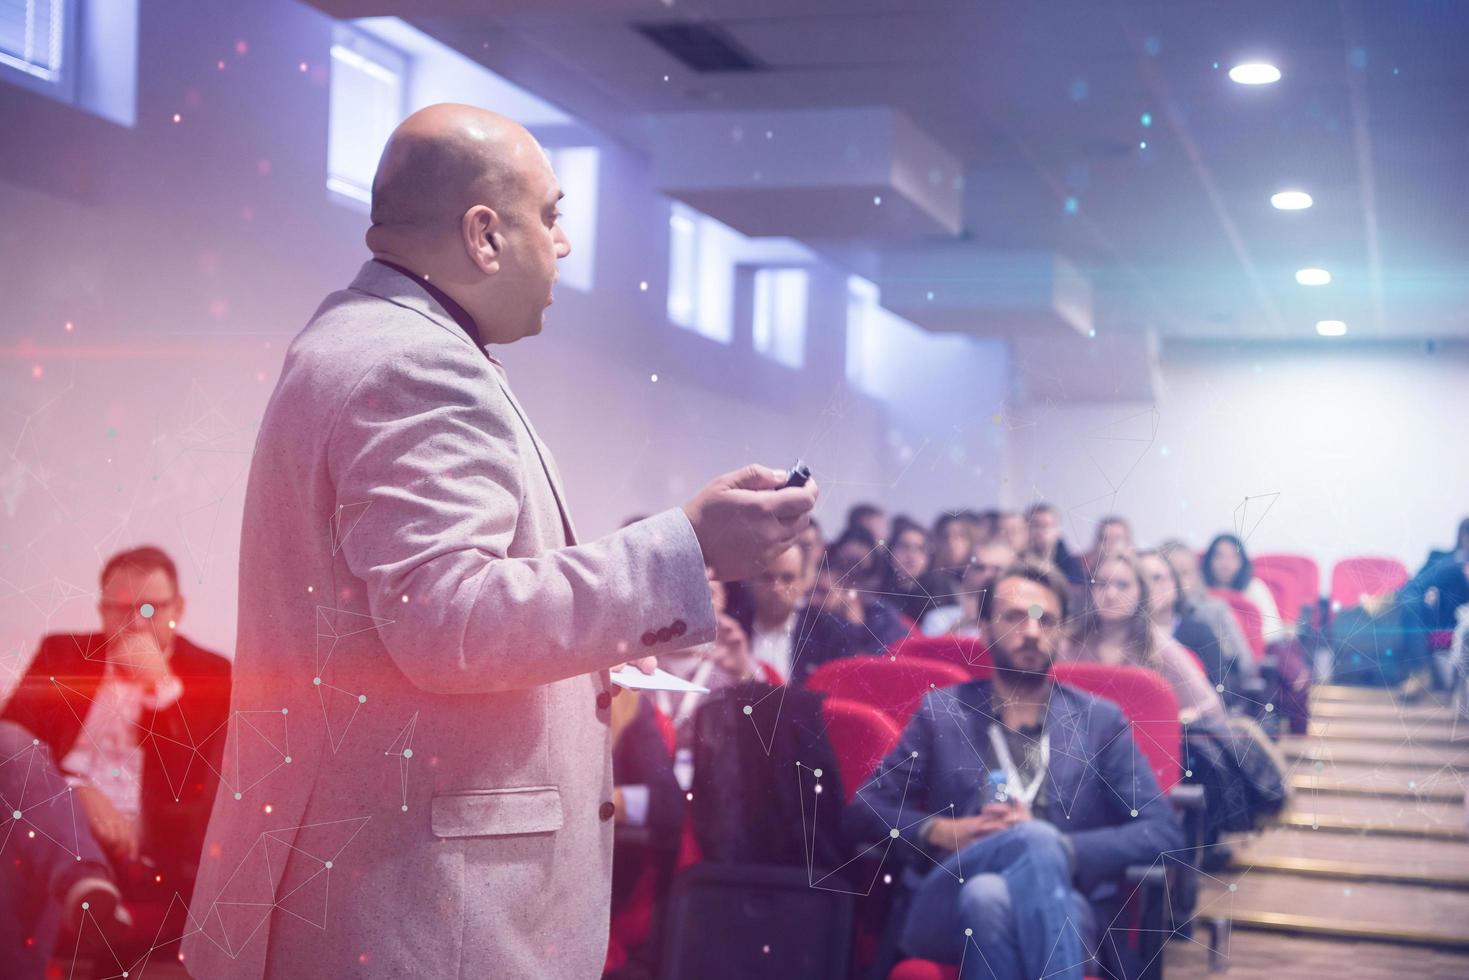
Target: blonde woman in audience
(1116,627)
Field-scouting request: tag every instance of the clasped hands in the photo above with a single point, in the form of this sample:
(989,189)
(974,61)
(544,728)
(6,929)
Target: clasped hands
(957,833)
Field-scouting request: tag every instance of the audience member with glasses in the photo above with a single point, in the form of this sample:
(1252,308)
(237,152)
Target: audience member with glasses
(109,758)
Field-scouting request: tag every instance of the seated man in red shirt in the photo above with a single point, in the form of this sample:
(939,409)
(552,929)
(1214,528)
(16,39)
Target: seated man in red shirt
(109,758)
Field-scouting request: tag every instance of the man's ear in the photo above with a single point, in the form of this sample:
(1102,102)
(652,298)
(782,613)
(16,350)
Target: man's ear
(483,242)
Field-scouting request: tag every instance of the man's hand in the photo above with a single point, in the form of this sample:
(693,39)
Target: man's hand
(115,832)
(743,521)
(138,656)
(957,833)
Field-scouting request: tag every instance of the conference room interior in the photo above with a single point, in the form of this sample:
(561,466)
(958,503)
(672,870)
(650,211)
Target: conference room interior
(1160,279)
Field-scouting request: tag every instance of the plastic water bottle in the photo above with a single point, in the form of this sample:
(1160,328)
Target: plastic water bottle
(683,768)
(999,791)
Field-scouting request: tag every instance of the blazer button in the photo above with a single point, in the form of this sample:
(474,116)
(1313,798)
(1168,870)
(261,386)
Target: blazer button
(665,634)
(607,810)
(680,627)
(604,701)
(650,638)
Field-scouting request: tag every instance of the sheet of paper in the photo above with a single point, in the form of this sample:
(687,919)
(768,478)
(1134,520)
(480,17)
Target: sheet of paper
(660,680)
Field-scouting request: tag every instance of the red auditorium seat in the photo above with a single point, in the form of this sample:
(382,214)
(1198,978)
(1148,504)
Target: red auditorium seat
(860,735)
(1355,578)
(1151,706)
(1248,617)
(967,652)
(1147,701)
(893,686)
(1294,582)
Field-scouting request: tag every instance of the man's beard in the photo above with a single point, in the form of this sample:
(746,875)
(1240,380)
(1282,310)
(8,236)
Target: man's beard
(1025,667)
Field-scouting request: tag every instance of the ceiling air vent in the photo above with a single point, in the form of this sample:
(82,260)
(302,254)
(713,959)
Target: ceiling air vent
(703,47)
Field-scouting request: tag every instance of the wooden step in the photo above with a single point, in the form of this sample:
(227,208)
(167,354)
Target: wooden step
(1338,825)
(1375,911)
(1431,862)
(1380,753)
(1411,731)
(1383,782)
(1381,712)
(1276,956)
(1382,809)
(1431,793)
(1355,695)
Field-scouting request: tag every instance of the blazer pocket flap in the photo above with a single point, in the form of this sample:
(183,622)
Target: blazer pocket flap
(497,812)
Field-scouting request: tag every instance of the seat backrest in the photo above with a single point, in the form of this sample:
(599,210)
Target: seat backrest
(860,735)
(1354,579)
(1247,614)
(967,652)
(894,685)
(1299,577)
(1147,701)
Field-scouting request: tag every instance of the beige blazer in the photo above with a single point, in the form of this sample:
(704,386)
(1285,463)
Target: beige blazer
(417,778)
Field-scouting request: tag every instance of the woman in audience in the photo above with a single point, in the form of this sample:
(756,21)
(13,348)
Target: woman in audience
(1116,627)
(1228,663)
(1227,566)
(953,546)
(907,561)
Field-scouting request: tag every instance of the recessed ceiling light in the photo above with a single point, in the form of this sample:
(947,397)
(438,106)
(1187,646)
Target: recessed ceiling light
(1313,277)
(1291,200)
(1330,328)
(1254,73)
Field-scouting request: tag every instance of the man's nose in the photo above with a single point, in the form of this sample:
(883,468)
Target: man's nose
(563,244)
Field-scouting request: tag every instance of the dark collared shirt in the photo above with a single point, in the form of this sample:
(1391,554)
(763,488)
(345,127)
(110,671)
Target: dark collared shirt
(460,314)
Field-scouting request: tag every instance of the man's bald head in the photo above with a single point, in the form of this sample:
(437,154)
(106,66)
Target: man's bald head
(444,159)
(467,199)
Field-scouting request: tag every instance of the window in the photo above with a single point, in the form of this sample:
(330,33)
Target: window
(780,315)
(576,169)
(33,37)
(862,327)
(702,254)
(367,98)
(80,52)
(683,266)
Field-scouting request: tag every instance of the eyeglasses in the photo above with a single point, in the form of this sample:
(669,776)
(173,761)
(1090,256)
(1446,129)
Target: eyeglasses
(136,608)
(1016,619)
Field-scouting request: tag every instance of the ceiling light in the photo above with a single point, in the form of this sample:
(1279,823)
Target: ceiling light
(1330,328)
(1291,200)
(1313,277)
(1254,73)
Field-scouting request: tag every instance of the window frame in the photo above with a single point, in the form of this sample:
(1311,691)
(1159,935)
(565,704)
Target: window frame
(349,42)
(63,87)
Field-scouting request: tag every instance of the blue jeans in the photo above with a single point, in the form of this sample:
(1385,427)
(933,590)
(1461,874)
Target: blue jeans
(36,871)
(1004,909)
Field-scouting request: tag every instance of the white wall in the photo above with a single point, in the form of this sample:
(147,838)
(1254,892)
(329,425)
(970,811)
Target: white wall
(1365,447)
(187,255)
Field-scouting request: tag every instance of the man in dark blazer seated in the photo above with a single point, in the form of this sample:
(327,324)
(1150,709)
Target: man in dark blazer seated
(1014,804)
(109,758)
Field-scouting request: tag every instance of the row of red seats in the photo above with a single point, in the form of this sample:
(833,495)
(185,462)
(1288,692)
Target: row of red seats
(1295,580)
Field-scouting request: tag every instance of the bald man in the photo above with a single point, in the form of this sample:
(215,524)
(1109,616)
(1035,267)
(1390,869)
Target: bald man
(417,779)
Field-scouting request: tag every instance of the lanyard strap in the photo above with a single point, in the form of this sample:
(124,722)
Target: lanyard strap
(1026,794)
(688,700)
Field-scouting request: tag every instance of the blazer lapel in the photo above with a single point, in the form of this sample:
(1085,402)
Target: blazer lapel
(385,283)
(548,465)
